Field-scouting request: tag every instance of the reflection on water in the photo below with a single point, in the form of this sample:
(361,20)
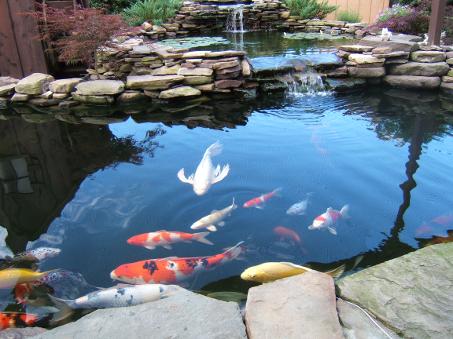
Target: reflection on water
(89,185)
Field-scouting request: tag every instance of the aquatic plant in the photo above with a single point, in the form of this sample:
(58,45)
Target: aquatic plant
(76,34)
(310,9)
(349,16)
(194,42)
(156,11)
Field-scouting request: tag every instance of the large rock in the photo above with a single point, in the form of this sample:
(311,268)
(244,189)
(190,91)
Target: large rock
(197,80)
(94,99)
(299,307)
(357,325)
(362,59)
(152,82)
(412,81)
(345,85)
(447,87)
(7,90)
(370,72)
(19,333)
(398,42)
(64,85)
(420,68)
(178,92)
(199,71)
(34,84)
(410,294)
(428,56)
(100,87)
(8,81)
(183,315)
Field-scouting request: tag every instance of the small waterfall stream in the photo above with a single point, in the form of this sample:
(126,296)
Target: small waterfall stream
(235,20)
(305,83)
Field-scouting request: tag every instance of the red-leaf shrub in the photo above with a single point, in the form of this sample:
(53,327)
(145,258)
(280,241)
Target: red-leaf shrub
(75,34)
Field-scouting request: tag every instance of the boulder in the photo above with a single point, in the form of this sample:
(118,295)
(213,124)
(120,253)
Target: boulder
(410,294)
(420,68)
(182,91)
(100,87)
(356,48)
(412,81)
(152,82)
(183,315)
(370,72)
(344,85)
(7,90)
(94,99)
(357,325)
(362,59)
(302,306)
(195,71)
(428,56)
(447,87)
(197,80)
(34,84)
(223,84)
(64,85)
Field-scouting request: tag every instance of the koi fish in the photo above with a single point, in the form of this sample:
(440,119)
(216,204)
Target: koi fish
(271,271)
(166,238)
(299,208)
(12,276)
(205,174)
(17,319)
(259,201)
(67,284)
(287,233)
(173,269)
(110,297)
(329,218)
(215,218)
(41,253)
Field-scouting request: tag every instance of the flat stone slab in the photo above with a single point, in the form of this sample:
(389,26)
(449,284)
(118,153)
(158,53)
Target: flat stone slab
(398,42)
(301,306)
(152,81)
(412,81)
(420,68)
(411,294)
(183,315)
(357,325)
(100,87)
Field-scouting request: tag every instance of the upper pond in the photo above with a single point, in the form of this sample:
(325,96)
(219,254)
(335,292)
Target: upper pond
(86,188)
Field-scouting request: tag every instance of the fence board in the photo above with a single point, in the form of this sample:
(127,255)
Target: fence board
(9,56)
(26,32)
(367,9)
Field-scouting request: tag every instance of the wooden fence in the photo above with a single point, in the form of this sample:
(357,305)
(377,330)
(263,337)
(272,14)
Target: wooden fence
(21,53)
(368,10)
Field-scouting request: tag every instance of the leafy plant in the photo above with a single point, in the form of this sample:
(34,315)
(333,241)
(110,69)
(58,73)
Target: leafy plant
(310,9)
(157,11)
(76,34)
(349,16)
(394,12)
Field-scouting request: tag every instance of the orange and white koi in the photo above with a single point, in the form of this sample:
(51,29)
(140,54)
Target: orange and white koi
(259,201)
(329,218)
(166,238)
(173,269)
(17,319)
(287,233)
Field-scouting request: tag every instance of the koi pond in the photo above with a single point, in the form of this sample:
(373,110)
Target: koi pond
(87,188)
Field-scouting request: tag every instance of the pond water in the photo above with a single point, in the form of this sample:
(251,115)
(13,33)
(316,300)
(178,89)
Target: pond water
(87,188)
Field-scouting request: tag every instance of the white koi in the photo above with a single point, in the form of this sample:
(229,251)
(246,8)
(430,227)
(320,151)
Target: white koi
(206,175)
(299,208)
(215,218)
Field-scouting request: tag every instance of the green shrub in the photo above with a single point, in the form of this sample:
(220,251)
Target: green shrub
(157,11)
(111,6)
(310,9)
(348,16)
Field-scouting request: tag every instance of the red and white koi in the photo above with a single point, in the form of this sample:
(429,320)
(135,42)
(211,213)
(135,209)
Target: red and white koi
(172,270)
(166,239)
(258,202)
(329,218)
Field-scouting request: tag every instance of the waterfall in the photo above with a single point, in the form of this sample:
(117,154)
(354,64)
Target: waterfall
(303,84)
(235,20)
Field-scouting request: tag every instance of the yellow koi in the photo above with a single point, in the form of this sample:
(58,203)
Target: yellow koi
(10,277)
